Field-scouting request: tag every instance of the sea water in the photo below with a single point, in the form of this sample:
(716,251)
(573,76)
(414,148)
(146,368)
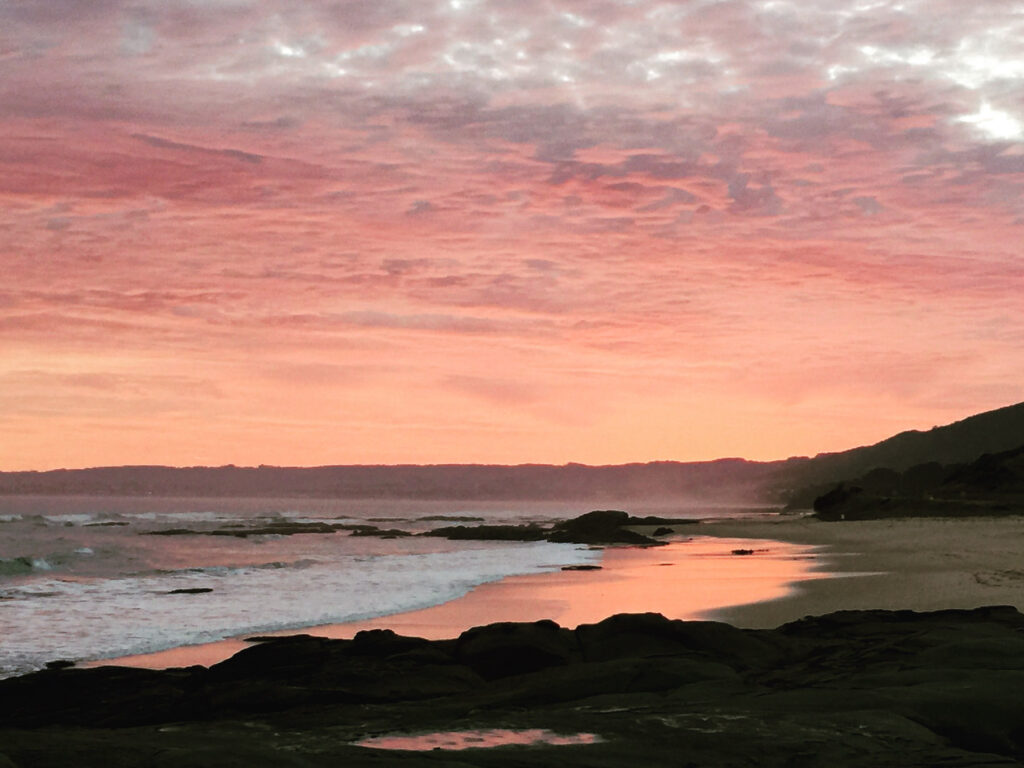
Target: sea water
(90,577)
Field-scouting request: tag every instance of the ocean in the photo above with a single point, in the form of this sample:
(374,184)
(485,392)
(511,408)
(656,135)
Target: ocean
(84,578)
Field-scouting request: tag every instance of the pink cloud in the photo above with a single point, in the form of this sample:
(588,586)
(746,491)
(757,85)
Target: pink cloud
(622,224)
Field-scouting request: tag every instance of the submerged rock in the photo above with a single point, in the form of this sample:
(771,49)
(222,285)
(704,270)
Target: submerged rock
(490,532)
(383,533)
(282,528)
(451,518)
(655,520)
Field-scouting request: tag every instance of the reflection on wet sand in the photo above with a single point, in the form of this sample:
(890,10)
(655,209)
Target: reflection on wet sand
(683,580)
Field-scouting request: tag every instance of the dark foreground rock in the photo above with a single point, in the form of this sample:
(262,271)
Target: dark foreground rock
(854,688)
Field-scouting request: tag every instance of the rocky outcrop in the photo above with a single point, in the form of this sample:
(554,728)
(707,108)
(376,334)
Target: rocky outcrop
(599,527)
(853,688)
(603,526)
(513,648)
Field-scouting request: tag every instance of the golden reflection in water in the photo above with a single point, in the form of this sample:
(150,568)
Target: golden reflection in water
(682,580)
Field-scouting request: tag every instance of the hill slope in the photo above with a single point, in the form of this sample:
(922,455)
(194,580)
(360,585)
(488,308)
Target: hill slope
(958,443)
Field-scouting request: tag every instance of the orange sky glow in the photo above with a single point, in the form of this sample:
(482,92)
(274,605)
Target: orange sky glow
(385,231)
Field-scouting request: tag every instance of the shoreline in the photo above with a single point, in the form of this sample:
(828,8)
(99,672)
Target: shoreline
(919,564)
(631,580)
(888,688)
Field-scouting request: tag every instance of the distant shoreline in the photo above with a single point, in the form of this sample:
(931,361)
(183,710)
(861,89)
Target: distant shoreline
(722,480)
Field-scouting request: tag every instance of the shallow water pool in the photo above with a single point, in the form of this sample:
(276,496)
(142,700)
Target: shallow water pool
(476,739)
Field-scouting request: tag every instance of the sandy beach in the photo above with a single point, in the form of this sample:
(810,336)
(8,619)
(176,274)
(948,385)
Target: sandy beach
(921,564)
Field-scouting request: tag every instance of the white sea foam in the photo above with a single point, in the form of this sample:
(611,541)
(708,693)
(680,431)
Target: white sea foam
(183,517)
(72,518)
(54,618)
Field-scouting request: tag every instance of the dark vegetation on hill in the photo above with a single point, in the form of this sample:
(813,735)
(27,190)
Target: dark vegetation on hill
(854,688)
(991,485)
(908,467)
(957,443)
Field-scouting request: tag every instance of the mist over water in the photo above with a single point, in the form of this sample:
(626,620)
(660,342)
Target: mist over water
(84,577)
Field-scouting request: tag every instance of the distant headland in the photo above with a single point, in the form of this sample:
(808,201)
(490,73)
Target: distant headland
(796,480)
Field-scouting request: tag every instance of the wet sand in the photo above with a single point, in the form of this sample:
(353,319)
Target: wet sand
(690,578)
(920,564)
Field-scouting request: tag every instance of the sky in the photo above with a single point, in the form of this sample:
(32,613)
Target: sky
(503,231)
